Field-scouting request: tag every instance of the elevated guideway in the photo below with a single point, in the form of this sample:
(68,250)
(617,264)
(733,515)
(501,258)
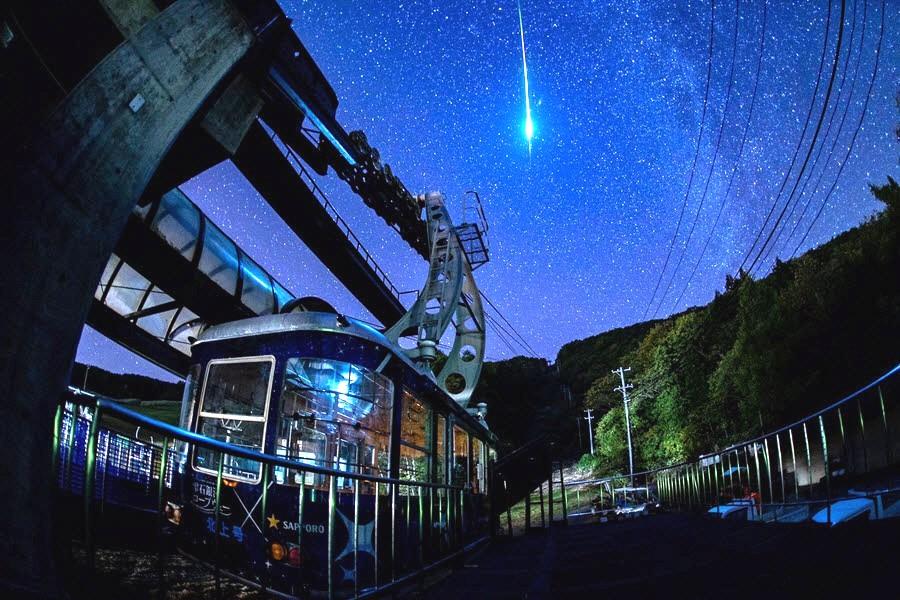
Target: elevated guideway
(172,272)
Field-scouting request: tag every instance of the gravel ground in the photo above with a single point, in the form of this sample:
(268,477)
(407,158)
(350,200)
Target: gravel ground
(133,574)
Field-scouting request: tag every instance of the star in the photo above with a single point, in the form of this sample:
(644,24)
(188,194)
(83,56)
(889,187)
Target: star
(587,222)
(273,522)
(366,537)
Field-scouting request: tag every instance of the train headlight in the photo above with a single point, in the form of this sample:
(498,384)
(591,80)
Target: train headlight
(173,513)
(276,551)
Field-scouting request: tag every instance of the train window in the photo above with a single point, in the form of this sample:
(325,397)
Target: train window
(415,439)
(189,397)
(477,474)
(233,410)
(350,408)
(460,471)
(440,457)
(188,406)
(305,445)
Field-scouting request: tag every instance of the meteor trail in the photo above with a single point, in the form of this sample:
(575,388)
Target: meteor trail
(529,124)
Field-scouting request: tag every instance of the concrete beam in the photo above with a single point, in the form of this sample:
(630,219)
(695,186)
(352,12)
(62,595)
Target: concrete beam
(130,15)
(267,169)
(233,113)
(70,192)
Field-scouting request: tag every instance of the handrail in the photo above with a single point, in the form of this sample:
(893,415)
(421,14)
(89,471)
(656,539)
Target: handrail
(520,450)
(110,406)
(773,474)
(446,520)
(808,418)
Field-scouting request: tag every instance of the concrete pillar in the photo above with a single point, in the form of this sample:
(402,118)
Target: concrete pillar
(66,199)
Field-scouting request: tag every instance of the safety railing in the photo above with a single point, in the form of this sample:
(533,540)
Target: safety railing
(413,526)
(835,465)
(332,212)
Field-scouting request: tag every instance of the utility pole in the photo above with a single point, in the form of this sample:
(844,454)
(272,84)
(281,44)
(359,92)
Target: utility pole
(624,389)
(590,418)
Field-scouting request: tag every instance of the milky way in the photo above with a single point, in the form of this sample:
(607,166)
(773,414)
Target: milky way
(581,227)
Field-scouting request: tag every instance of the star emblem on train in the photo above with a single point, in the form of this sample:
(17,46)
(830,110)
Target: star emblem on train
(366,534)
(273,521)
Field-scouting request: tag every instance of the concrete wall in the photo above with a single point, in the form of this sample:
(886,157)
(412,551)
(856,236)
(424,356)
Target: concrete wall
(69,195)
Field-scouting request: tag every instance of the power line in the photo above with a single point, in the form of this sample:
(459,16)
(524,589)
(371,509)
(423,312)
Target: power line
(762,44)
(503,337)
(855,133)
(815,164)
(834,66)
(505,320)
(687,192)
(840,130)
(712,166)
(498,327)
(787,175)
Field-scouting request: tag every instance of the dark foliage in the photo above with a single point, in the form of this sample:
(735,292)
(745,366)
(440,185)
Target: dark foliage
(128,386)
(762,353)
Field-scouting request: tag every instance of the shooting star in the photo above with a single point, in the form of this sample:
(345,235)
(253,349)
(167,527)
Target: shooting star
(529,124)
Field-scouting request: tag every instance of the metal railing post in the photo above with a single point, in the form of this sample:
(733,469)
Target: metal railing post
(332,513)
(218,524)
(393,490)
(562,485)
(264,505)
(768,470)
(89,464)
(550,494)
(780,465)
(887,432)
(758,475)
(794,463)
(57,426)
(718,507)
(827,468)
(862,433)
(70,446)
(301,498)
(730,474)
(541,492)
(421,527)
(375,528)
(808,460)
(161,515)
(528,510)
(356,538)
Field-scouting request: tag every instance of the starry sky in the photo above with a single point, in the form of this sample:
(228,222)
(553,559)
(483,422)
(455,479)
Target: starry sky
(625,152)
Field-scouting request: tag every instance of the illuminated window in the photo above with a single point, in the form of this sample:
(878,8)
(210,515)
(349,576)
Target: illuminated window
(460,471)
(415,439)
(478,468)
(233,410)
(334,414)
(440,457)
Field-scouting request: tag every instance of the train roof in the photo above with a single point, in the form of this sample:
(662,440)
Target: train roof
(324,322)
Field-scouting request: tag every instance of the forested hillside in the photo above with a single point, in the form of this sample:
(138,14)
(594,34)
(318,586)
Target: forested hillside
(762,353)
(127,386)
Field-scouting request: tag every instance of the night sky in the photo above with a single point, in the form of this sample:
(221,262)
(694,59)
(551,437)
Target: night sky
(581,227)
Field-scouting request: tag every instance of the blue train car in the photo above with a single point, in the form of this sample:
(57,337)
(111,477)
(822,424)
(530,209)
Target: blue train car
(327,391)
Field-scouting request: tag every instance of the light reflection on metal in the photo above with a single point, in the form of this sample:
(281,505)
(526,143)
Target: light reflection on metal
(289,91)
